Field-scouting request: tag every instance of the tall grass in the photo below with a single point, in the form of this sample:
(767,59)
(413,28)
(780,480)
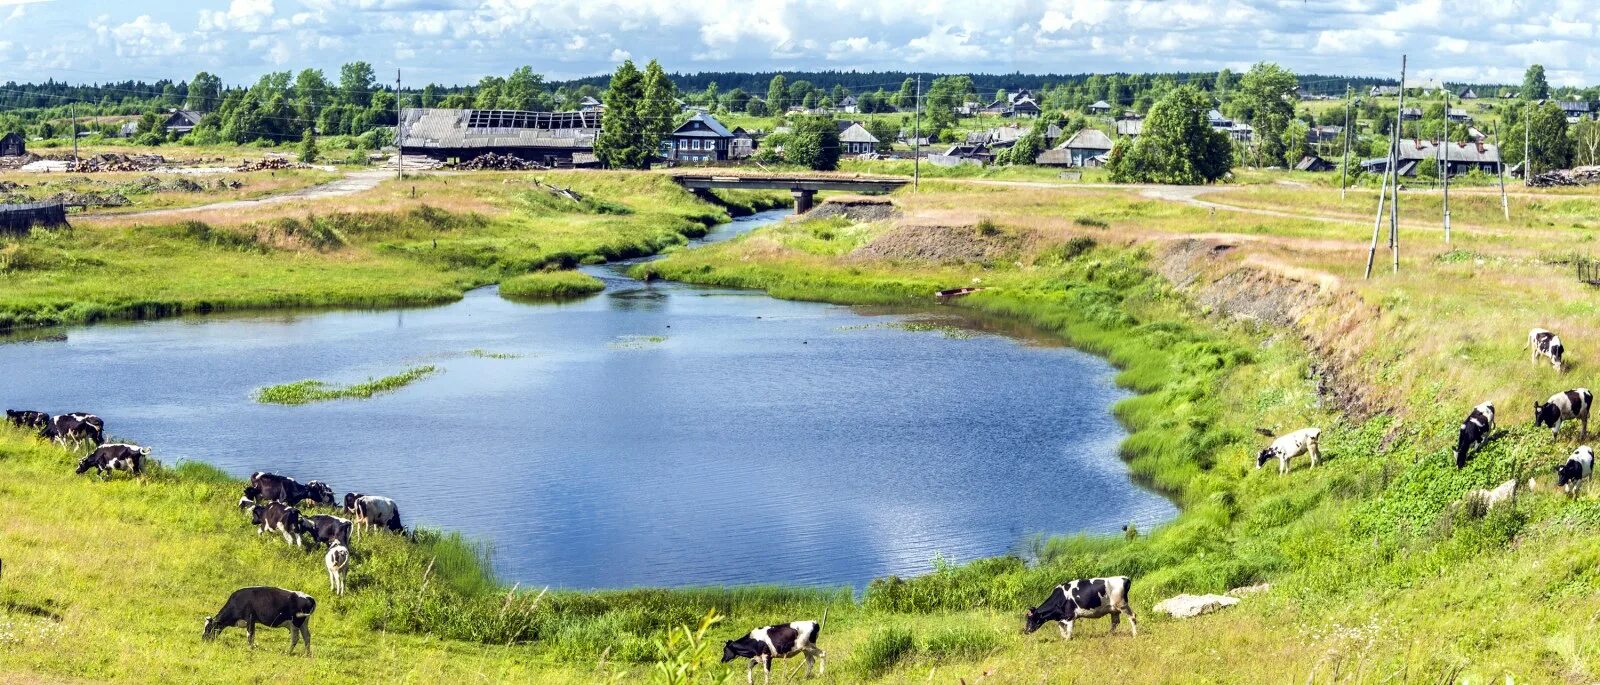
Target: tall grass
(308,391)
(552,285)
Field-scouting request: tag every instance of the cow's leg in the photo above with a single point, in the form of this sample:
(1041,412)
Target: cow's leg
(1316,455)
(766,665)
(250,633)
(822,660)
(1585,427)
(305,633)
(1116,617)
(1133,623)
(294,634)
(810,661)
(750,673)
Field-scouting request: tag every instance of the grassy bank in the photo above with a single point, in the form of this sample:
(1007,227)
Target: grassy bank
(550,285)
(424,241)
(308,391)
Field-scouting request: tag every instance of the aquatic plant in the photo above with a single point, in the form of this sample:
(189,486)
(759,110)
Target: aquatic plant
(308,391)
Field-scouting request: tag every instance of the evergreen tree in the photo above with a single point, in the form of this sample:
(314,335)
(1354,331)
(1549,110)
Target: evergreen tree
(308,146)
(620,144)
(658,110)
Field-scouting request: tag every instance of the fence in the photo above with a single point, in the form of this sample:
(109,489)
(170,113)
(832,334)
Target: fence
(1588,270)
(17,220)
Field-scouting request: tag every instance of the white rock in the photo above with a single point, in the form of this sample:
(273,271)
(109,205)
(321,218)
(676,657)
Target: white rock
(1188,606)
(1249,590)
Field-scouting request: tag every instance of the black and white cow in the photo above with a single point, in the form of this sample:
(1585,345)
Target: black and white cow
(1303,441)
(1474,431)
(75,427)
(1578,468)
(1564,406)
(275,488)
(278,517)
(23,418)
(1543,343)
(115,457)
(372,510)
(269,606)
(762,645)
(1083,598)
(326,530)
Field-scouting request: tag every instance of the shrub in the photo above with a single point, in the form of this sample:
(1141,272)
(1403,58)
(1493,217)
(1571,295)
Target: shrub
(884,649)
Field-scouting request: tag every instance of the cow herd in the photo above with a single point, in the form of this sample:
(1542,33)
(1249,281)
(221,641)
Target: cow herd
(273,504)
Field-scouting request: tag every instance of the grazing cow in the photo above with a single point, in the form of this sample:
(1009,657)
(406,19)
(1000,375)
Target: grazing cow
(1083,598)
(115,457)
(275,488)
(269,606)
(762,645)
(1503,493)
(1474,431)
(1578,467)
(28,419)
(75,427)
(1303,441)
(1564,406)
(372,510)
(279,517)
(1543,343)
(326,530)
(337,561)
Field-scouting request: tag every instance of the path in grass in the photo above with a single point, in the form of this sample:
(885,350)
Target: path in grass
(308,391)
(349,184)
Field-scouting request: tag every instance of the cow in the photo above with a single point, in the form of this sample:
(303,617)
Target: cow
(762,645)
(1083,598)
(372,510)
(337,561)
(326,530)
(75,427)
(1564,406)
(275,488)
(269,606)
(1543,343)
(23,418)
(1303,441)
(279,517)
(1578,467)
(1474,431)
(1502,493)
(115,457)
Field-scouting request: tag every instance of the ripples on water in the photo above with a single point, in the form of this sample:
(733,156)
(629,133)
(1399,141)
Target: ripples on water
(761,441)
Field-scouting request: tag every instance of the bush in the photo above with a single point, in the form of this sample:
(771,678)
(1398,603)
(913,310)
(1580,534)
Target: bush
(883,650)
(964,643)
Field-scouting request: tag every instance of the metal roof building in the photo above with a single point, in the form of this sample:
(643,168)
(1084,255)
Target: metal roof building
(548,138)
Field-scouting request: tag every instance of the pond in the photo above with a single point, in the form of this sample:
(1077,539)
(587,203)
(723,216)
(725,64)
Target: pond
(652,435)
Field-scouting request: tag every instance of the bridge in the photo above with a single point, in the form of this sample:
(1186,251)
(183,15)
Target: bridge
(804,188)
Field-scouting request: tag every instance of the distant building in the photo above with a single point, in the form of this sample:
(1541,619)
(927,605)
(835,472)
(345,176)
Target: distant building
(855,139)
(12,145)
(1576,109)
(1384,91)
(1314,163)
(1088,147)
(1410,114)
(548,138)
(1241,132)
(589,104)
(1323,134)
(181,121)
(1461,157)
(1217,121)
(743,144)
(1459,116)
(1132,128)
(700,139)
(848,104)
(1468,94)
(1100,107)
(1023,107)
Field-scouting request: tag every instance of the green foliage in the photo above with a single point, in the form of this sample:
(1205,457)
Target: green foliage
(883,650)
(308,147)
(1534,84)
(687,657)
(308,391)
(1178,145)
(554,285)
(658,108)
(1544,125)
(622,142)
(1265,97)
(814,143)
(1027,148)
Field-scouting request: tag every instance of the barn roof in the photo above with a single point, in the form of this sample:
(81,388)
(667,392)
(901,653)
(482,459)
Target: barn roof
(1456,152)
(472,128)
(854,132)
(1088,139)
(702,125)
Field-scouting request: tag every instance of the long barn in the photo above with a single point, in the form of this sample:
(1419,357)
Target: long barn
(548,138)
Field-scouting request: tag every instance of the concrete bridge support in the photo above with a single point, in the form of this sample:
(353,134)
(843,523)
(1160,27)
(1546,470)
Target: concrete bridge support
(803,199)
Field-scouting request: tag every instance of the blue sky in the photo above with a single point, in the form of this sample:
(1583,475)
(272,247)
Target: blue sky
(457,41)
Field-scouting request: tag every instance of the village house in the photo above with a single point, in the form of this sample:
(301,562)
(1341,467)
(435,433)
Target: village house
(848,105)
(1217,121)
(1323,134)
(1241,132)
(12,145)
(589,104)
(855,139)
(1023,107)
(180,122)
(548,138)
(1100,107)
(1384,91)
(1410,114)
(1314,163)
(1461,157)
(1459,116)
(1468,94)
(1576,110)
(743,144)
(1006,136)
(1131,128)
(1088,147)
(700,139)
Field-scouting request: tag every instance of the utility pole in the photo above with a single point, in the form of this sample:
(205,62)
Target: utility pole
(1344,161)
(1444,154)
(75,162)
(1527,148)
(916,139)
(399,150)
(1394,173)
(1500,149)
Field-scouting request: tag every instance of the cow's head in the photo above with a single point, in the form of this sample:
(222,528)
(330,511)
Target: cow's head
(350,501)
(1265,456)
(13,414)
(728,651)
(319,492)
(252,493)
(256,513)
(85,464)
(1545,414)
(1568,473)
(1556,351)
(1032,620)
(209,632)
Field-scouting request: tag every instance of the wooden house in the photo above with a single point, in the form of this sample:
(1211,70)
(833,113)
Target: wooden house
(700,139)
(181,121)
(1088,147)
(855,139)
(1100,107)
(1314,163)
(1461,157)
(13,145)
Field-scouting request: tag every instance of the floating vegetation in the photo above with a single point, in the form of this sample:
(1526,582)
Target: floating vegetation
(485,354)
(637,342)
(949,331)
(308,391)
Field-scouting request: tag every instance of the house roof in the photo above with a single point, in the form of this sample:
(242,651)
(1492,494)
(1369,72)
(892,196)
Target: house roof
(1088,139)
(1574,106)
(1411,112)
(854,132)
(702,125)
(1100,104)
(1458,113)
(1310,162)
(470,128)
(588,101)
(1385,90)
(184,118)
(1456,152)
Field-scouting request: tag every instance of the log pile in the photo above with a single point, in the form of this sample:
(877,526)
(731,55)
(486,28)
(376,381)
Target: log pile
(112,161)
(270,164)
(413,163)
(1579,176)
(496,162)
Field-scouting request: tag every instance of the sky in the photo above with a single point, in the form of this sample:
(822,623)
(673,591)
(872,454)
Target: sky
(459,41)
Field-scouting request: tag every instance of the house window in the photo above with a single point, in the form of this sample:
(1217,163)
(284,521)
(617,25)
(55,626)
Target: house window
(694,144)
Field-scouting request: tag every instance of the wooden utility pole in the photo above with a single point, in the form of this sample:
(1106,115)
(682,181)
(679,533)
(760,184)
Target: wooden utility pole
(399,149)
(1444,154)
(1394,174)
(1344,161)
(74,109)
(1500,151)
(916,141)
(1527,148)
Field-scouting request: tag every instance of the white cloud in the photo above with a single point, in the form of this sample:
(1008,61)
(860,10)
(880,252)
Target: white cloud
(619,55)
(141,37)
(248,16)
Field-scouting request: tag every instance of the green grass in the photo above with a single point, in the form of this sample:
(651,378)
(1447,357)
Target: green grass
(550,285)
(309,391)
(637,342)
(486,354)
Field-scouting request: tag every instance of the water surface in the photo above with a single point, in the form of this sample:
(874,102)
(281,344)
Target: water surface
(660,435)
